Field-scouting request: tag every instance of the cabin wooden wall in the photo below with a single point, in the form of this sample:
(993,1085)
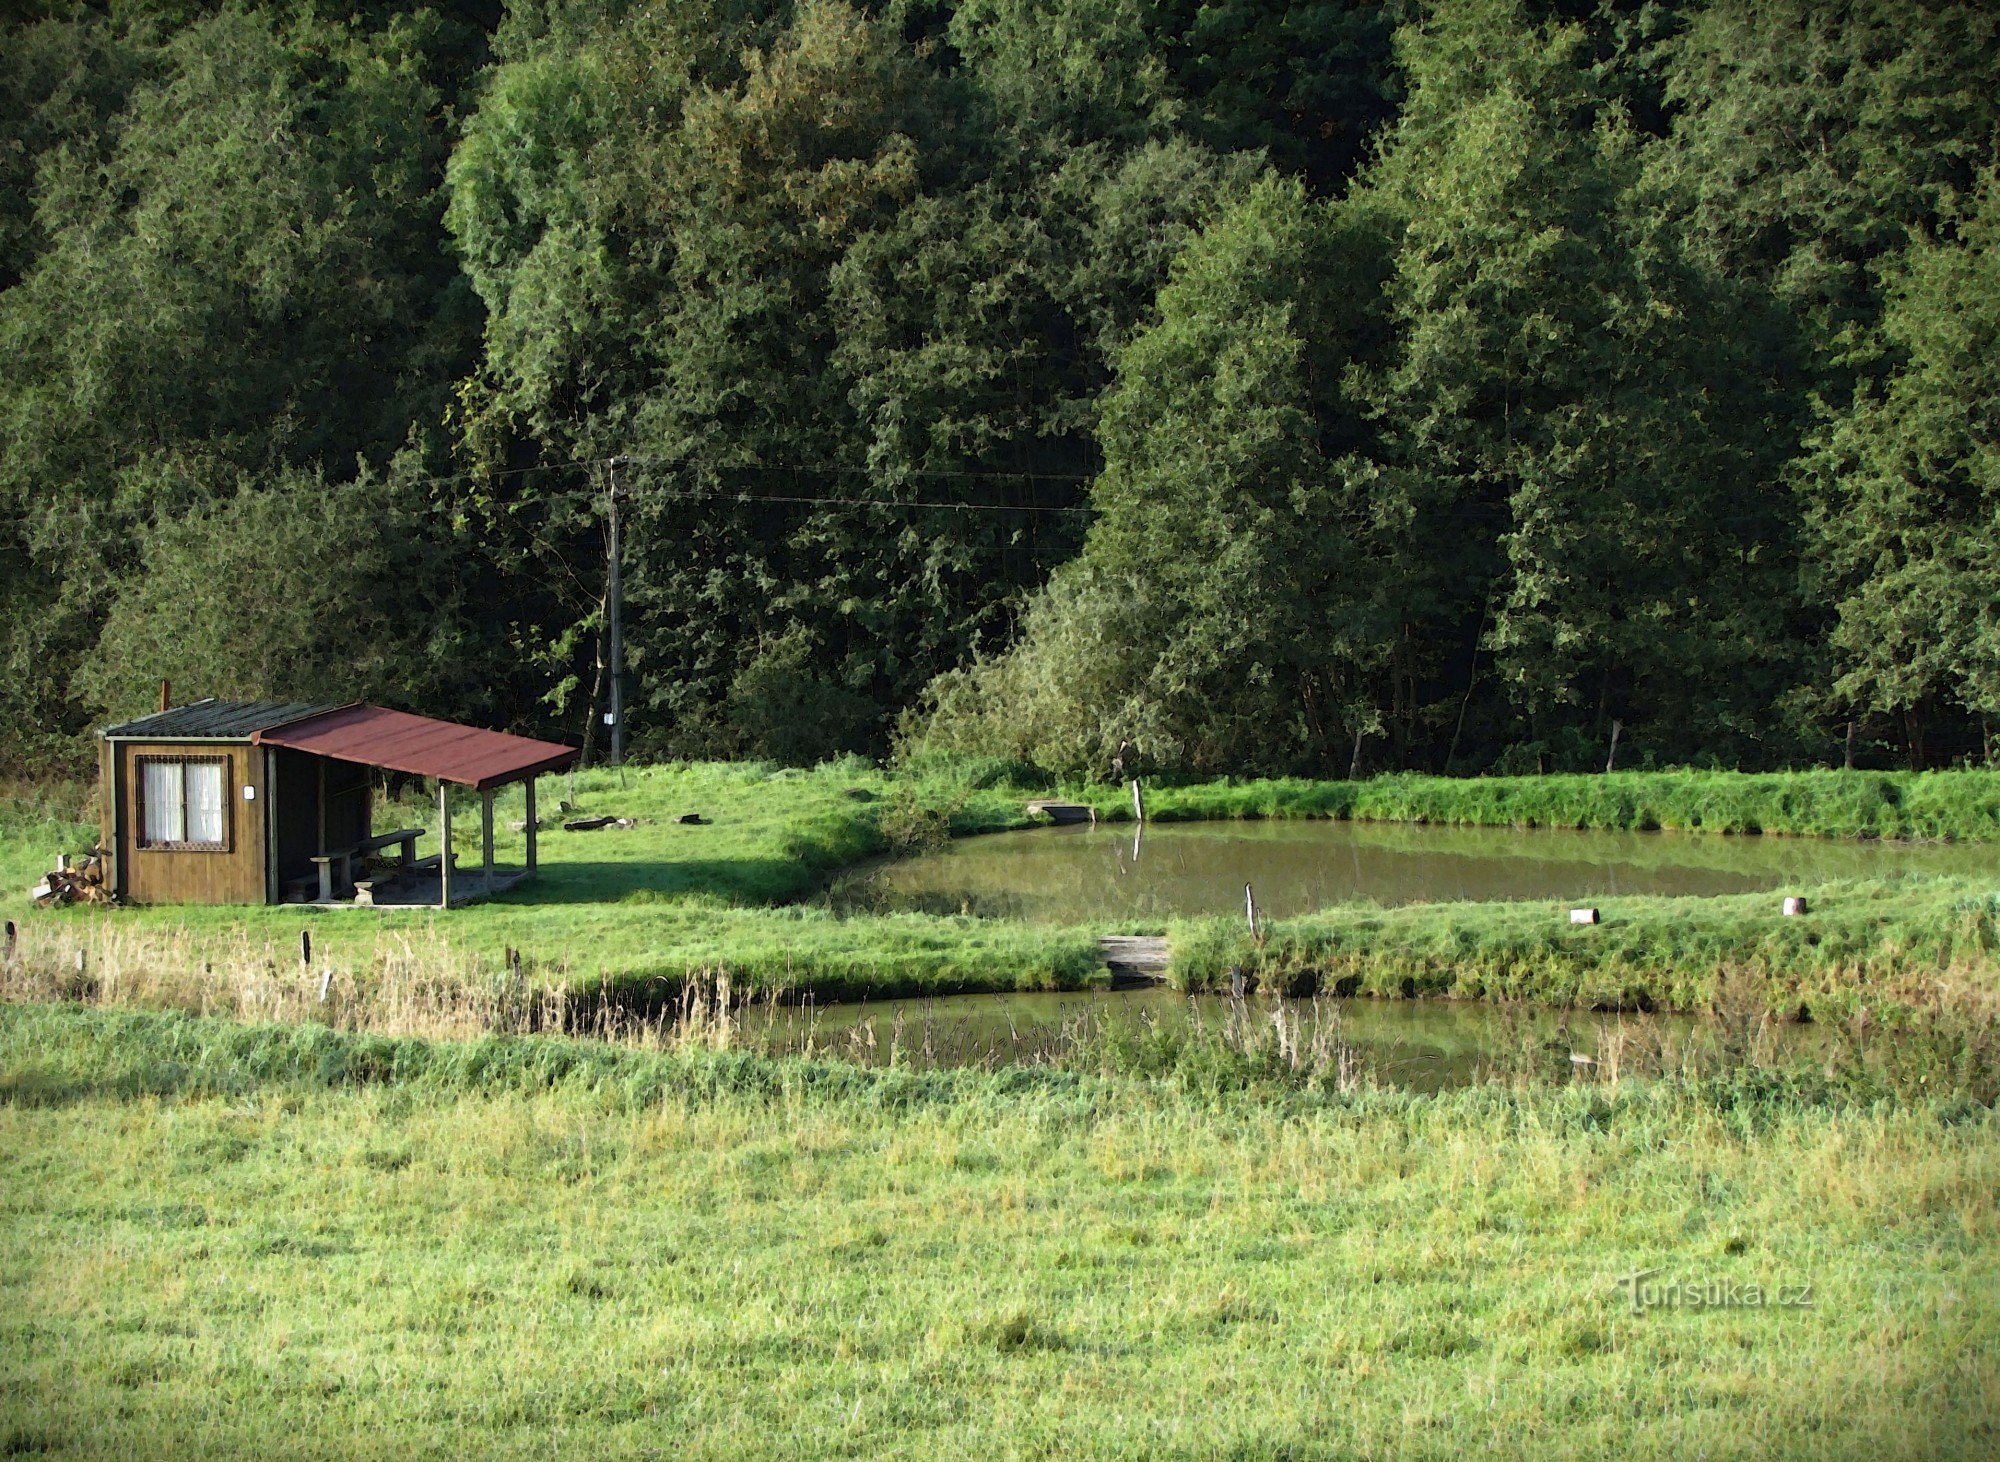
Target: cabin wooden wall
(177,876)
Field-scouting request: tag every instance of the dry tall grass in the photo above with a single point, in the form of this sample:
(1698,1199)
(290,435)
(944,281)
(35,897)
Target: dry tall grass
(408,987)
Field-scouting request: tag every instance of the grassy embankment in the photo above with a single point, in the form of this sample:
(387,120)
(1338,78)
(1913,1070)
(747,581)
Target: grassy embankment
(643,907)
(235,1240)
(1894,945)
(646,908)
(1961,805)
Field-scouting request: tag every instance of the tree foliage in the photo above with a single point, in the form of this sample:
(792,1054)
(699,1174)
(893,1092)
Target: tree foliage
(1295,386)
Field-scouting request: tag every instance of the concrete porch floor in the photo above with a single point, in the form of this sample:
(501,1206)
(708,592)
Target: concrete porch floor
(420,889)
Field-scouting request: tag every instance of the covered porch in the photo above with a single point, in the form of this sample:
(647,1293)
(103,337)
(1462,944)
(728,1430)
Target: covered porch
(351,868)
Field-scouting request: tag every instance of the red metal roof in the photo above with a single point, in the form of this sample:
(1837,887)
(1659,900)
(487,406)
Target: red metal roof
(419,745)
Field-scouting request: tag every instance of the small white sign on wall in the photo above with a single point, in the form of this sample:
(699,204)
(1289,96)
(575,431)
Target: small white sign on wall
(249,794)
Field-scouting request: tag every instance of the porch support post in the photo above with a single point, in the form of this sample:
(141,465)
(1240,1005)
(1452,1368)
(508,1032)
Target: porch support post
(486,838)
(531,824)
(444,844)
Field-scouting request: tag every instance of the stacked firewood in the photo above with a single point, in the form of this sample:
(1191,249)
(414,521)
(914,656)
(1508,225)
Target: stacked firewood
(83,884)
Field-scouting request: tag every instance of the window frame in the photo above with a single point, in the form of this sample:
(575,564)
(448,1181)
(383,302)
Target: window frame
(140,761)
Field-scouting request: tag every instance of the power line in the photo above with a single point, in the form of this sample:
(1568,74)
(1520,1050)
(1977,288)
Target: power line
(846,470)
(723,495)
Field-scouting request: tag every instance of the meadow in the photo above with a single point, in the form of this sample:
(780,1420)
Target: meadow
(242,1220)
(246,1240)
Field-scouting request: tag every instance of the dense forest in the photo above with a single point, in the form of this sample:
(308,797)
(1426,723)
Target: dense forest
(1317,386)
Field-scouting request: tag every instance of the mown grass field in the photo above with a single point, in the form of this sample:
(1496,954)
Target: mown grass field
(240,1241)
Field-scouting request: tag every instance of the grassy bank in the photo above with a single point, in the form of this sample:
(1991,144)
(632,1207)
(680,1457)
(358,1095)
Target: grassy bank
(1887,945)
(636,909)
(1953,804)
(217,1238)
(641,911)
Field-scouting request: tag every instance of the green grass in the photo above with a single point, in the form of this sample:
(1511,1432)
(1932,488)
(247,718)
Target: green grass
(646,908)
(1889,944)
(1952,804)
(643,908)
(239,1241)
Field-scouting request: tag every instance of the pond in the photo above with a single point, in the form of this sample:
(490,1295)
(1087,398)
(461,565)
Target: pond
(1127,874)
(1420,1045)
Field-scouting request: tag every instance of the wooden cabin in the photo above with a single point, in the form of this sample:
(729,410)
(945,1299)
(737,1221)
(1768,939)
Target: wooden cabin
(264,802)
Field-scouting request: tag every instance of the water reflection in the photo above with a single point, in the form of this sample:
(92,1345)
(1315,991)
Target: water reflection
(1420,1045)
(1085,874)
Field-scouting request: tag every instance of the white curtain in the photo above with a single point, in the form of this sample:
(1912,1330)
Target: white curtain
(204,802)
(160,790)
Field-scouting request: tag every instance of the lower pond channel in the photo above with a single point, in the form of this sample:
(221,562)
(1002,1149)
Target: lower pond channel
(1117,876)
(1420,1045)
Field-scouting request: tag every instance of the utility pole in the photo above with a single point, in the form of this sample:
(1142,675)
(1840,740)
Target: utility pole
(613,597)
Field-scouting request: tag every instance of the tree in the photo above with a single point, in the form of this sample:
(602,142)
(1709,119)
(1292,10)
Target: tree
(1909,479)
(1555,379)
(1226,610)
(1807,142)
(234,598)
(244,274)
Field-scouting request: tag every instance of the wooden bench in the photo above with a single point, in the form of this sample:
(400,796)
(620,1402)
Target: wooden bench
(404,838)
(336,866)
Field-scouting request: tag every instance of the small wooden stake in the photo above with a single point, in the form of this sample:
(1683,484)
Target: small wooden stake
(1250,908)
(1138,801)
(306,948)
(79,961)
(325,982)
(12,935)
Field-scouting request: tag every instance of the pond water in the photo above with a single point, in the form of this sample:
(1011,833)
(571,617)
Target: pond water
(1128,874)
(1421,1045)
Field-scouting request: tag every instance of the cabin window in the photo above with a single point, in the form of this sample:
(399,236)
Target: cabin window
(181,803)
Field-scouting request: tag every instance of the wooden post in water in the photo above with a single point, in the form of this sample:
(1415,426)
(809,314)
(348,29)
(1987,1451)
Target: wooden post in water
(1250,908)
(1138,801)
